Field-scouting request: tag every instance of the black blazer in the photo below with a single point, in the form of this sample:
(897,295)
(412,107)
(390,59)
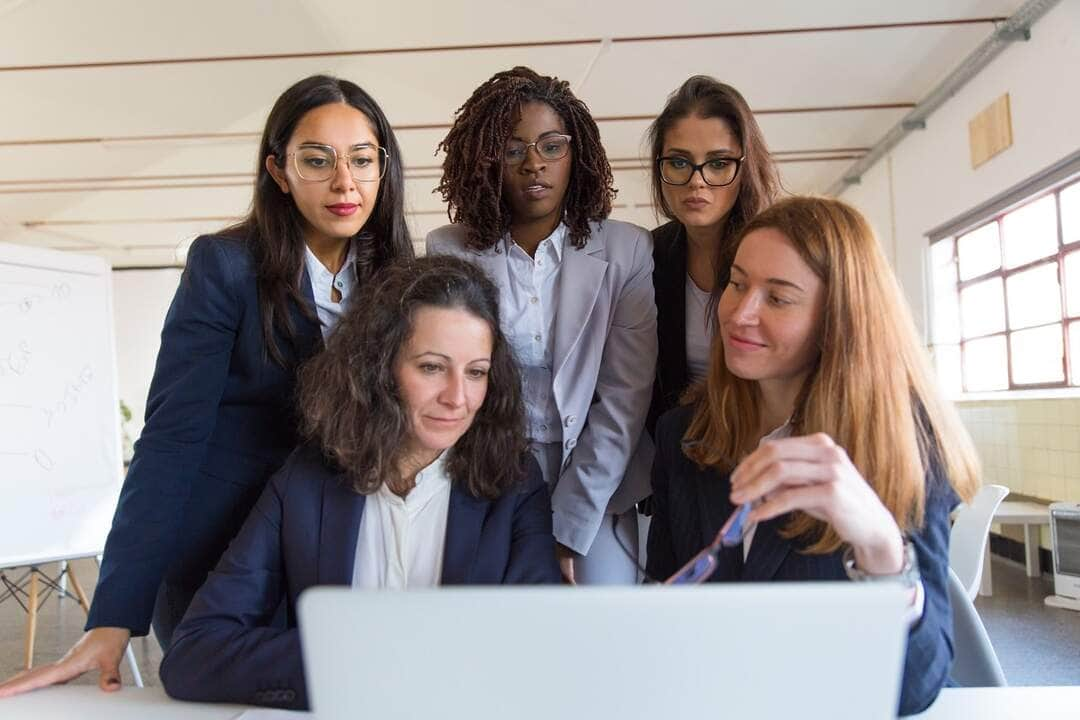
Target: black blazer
(669,286)
(219,421)
(692,503)
(302,533)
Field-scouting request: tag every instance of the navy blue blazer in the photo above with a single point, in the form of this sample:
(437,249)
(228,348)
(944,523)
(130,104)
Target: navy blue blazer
(692,504)
(220,420)
(303,532)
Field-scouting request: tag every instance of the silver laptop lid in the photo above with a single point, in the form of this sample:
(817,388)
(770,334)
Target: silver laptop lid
(806,650)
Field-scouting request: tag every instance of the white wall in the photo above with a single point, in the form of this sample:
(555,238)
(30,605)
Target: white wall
(927,180)
(140,299)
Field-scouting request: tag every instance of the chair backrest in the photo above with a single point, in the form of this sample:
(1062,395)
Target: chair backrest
(970,530)
(975,664)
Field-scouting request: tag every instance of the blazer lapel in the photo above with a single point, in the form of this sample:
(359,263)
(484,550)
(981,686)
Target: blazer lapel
(464,522)
(308,332)
(579,286)
(342,510)
(767,551)
(671,313)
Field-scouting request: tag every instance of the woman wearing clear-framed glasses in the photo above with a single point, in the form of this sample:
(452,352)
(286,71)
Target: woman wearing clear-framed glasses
(711,172)
(529,189)
(254,302)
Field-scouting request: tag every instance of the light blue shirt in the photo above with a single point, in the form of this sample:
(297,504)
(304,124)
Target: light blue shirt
(322,284)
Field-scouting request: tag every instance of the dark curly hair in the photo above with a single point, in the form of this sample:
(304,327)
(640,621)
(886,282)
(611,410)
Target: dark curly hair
(472,172)
(349,399)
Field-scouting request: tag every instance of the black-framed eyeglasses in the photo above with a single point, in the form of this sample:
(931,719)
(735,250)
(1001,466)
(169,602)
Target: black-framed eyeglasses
(318,163)
(717,172)
(550,147)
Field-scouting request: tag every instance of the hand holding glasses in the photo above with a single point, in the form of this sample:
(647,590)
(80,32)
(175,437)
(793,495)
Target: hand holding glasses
(318,163)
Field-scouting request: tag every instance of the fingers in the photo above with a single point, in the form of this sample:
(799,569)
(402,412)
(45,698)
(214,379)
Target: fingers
(59,672)
(109,679)
(779,474)
(808,498)
(790,461)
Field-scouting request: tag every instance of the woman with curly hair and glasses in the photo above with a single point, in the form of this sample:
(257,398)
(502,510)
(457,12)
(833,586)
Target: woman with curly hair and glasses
(417,474)
(529,190)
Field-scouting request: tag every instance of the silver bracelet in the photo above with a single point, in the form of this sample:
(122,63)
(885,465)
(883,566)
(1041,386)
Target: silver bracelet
(908,576)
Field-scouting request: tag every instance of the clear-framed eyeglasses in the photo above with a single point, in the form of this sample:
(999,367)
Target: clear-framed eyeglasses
(717,172)
(317,163)
(550,147)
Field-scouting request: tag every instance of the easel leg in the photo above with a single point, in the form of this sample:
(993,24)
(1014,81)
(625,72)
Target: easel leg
(78,589)
(31,618)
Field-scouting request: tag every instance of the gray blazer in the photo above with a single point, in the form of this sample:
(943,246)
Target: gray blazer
(604,362)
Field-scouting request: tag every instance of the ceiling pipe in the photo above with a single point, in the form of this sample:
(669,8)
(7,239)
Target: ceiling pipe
(1016,28)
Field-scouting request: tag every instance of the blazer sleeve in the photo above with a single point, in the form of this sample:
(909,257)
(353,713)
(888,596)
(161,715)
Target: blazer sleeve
(224,649)
(532,548)
(661,563)
(617,416)
(189,379)
(930,642)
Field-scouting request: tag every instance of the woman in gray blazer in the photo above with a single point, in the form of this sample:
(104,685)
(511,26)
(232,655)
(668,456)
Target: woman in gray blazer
(529,189)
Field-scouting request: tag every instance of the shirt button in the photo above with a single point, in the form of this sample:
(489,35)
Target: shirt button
(536,338)
(339,284)
(543,428)
(534,300)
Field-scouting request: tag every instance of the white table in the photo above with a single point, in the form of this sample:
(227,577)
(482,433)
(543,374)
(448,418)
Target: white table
(86,701)
(1032,516)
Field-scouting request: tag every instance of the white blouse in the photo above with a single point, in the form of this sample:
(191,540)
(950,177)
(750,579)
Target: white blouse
(401,540)
(699,330)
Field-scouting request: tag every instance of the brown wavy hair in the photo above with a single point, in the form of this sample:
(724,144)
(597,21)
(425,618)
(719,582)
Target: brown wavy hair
(471,181)
(705,97)
(872,390)
(350,404)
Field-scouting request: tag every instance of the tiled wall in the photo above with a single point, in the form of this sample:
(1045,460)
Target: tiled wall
(1030,446)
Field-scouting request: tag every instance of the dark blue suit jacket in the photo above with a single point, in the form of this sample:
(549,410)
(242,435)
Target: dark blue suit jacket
(219,421)
(302,533)
(692,504)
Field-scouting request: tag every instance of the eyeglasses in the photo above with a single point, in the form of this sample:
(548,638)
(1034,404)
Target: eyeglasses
(549,147)
(317,163)
(718,172)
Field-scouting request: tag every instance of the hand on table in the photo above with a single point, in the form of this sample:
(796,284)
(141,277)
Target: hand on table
(814,474)
(101,648)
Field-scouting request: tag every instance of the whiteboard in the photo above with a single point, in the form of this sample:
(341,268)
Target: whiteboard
(60,463)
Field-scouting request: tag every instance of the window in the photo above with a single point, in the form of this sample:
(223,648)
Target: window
(1006,298)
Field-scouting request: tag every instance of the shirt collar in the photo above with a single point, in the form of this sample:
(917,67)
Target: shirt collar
(316,269)
(556,241)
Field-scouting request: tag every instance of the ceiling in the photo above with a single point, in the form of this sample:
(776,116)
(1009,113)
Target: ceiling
(128,128)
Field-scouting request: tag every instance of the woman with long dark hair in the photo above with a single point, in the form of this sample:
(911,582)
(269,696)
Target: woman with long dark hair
(711,172)
(820,431)
(529,189)
(416,474)
(254,301)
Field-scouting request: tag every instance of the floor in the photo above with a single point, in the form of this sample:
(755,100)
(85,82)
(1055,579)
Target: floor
(1037,645)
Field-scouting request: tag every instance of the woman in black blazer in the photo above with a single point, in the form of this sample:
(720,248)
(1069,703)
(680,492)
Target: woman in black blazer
(254,302)
(711,172)
(819,427)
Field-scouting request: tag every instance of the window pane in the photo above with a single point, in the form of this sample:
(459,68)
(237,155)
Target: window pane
(1070,213)
(1072,283)
(941,254)
(985,365)
(1030,232)
(982,308)
(1037,355)
(945,325)
(1074,353)
(947,364)
(979,251)
(1034,296)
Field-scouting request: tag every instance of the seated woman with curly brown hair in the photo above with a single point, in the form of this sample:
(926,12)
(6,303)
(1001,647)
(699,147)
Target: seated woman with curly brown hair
(417,473)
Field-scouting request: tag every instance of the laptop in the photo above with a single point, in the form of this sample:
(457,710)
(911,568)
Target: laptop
(759,650)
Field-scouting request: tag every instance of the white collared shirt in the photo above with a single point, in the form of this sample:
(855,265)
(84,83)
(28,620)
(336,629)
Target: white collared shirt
(401,540)
(323,282)
(527,307)
(699,331)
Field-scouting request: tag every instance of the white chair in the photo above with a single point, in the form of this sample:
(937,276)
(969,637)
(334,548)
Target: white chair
(975,664)
(970,531)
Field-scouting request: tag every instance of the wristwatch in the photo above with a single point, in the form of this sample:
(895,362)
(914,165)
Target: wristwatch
(908,576)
